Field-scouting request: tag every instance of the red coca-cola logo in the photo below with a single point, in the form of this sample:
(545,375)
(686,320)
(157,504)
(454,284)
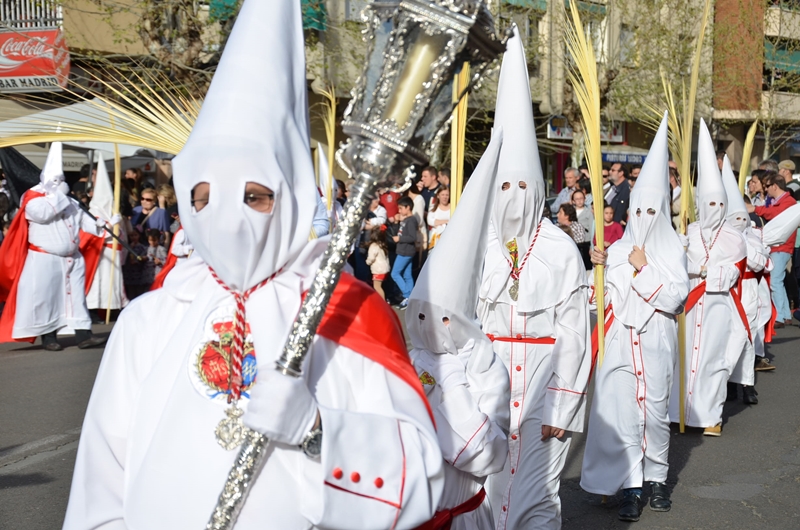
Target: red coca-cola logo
(25,49)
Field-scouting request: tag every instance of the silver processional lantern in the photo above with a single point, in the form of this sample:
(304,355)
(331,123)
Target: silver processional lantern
(399,109)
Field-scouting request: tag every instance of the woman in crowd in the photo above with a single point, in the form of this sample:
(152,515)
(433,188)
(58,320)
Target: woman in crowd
(755,188)
(583,212)
(568,220)
(439,215)
(148,215)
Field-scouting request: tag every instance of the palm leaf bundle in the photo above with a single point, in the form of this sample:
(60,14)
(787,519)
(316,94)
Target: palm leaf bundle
(583,77)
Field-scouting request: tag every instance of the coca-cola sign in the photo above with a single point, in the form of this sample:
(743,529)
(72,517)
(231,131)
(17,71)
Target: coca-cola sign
(33,61)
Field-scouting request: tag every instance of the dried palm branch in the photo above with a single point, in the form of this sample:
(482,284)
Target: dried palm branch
(746,152)
(583,77)
(329,122)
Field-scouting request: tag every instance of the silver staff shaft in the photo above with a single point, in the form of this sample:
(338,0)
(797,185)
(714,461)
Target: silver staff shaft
(253,453)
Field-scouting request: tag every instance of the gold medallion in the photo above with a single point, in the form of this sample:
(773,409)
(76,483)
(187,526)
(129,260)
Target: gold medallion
(513,291)
(231,430)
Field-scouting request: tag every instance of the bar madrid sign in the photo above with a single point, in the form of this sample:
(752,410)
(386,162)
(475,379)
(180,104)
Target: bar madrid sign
(33,61)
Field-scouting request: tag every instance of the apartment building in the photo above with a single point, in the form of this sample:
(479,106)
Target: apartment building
(757,76)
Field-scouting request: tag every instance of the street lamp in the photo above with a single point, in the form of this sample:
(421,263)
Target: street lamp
(400,106)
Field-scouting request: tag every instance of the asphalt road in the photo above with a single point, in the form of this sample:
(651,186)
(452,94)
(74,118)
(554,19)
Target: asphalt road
(749,478)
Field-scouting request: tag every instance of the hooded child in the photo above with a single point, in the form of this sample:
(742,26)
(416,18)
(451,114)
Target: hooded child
(716,325)
(627,443)
(102,281)
(534,306)
(465,381)
(755,295)
(43,274)
(352,441)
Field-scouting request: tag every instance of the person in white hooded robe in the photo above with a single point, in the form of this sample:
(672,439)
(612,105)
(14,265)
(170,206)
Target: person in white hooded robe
(534,306)
(352,442)
(627,443)
(43,269)
(716,326)
(757,306)
(106,290)
(465,381)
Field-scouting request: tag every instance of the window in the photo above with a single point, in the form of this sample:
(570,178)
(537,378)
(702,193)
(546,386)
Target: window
(627,46)
(30,13)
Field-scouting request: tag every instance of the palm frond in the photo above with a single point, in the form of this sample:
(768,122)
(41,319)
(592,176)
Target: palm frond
(583,77)
(747,150)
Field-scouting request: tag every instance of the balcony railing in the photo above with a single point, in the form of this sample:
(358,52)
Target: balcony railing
(26,14)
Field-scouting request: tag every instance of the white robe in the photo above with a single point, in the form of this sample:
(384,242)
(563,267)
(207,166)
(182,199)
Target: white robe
(628,437)
(715,333)
(471,422)
(51,292)
(757,307)
(148,458)
(104,281)
(548,387)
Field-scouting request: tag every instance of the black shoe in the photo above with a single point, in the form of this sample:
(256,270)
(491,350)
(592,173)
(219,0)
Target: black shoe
(53,346)
(629,508)
(92,342)
(733,392)
(659,496)
(749,395)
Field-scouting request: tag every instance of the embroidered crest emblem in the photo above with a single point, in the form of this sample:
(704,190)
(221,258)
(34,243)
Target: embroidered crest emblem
(209,365)
(427,379)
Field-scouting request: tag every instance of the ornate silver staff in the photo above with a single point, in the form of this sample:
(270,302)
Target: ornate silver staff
(398,111)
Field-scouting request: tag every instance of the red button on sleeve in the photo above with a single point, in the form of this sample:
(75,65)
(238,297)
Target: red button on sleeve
(337,473)
(519,368)
(355,477)
(516,403)
(379,482)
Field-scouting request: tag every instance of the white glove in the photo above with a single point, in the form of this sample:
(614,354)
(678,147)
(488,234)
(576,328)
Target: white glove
(100,223)
(281,407)
(684,239)
(115,219)
(446,369)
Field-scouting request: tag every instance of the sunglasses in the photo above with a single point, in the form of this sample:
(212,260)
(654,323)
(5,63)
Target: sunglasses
(145,199)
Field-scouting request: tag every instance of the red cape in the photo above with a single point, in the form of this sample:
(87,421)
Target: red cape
(13,253)
(172,260)
(358,318)
(91,246)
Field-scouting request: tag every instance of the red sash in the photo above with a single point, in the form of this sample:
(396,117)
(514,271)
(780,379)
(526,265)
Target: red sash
(91,247)
(444,518)
(524,340)
(736,294)
(596,339)
(358,318)
(13,252)
(172,260)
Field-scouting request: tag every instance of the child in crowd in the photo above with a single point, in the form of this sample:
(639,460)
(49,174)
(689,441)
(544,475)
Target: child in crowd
(156,256)
(133,269)
(378,258)
(612,231)
(406,240)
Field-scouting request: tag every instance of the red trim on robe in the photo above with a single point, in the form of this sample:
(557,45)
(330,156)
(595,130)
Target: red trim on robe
(91,247)
(172,260)
(13,253)
(358,318)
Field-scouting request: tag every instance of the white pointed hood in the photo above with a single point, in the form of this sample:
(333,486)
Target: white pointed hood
(737,211)
(52,176)
(516,210)
(553,271)
(448,284)
(253,127)
(709,187)
(102,203)
(653,232)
